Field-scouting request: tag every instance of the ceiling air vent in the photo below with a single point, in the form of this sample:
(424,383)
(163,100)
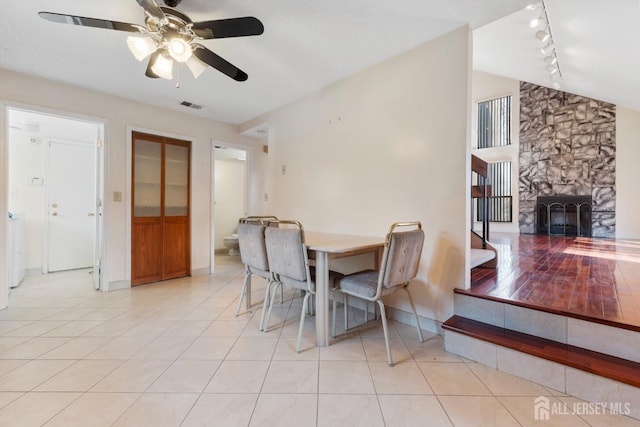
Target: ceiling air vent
(191,105)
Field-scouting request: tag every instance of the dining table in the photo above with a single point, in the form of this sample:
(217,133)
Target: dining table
(323,247)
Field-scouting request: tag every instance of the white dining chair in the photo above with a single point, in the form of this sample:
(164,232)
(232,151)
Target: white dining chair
(253,253)
(399,266)
(289,264)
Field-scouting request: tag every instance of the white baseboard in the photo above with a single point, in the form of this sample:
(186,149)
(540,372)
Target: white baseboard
(201,272)
(120,284)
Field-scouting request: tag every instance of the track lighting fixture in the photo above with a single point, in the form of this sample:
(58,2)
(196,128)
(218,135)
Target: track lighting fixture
(549,51)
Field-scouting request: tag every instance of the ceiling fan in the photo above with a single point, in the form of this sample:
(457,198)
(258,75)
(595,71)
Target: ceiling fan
(169,35)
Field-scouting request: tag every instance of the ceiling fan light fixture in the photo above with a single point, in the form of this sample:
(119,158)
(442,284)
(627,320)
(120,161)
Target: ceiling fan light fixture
(196,66)
(163,66)
(141,46)
(179,49)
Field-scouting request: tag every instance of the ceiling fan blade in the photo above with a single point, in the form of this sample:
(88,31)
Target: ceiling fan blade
(220,64)
(89,22)
(152,9)
(152,59)
(234,27)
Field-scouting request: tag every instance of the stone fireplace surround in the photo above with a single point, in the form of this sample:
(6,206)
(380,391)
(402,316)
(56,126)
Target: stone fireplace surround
(567,148)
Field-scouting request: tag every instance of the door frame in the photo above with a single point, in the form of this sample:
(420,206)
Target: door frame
(45,228)
(101,280)
(248,186)
(127,193)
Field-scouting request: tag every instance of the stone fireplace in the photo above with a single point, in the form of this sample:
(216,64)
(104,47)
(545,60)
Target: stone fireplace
(567,150)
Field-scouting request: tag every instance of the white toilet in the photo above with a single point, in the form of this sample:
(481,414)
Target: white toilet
(231,242)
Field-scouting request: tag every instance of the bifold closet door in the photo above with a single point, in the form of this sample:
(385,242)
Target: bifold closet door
(160,231)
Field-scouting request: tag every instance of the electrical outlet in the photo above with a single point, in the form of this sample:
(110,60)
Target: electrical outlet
(284,169)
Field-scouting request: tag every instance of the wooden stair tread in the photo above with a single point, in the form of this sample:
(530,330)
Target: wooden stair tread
(615,368)
(480,256)
(552,310)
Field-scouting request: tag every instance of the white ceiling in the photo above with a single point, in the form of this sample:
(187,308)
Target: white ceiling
(308,45)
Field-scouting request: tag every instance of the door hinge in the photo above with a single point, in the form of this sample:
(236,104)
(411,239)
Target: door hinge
(98,143)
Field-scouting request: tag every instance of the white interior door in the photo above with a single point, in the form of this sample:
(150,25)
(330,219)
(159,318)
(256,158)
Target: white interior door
(71,205)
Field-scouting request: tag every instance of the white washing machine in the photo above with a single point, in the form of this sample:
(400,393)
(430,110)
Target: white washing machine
(17,249)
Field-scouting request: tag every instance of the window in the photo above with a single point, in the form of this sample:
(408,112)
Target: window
(494,123)
(500,202)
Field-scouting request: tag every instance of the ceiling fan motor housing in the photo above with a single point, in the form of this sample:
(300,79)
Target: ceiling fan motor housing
(172,3)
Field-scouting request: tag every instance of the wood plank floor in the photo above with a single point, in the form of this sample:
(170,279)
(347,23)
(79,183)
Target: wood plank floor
(587,278)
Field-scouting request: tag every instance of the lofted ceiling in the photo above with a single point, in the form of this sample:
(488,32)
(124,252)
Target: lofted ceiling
(597,43)
(309,45)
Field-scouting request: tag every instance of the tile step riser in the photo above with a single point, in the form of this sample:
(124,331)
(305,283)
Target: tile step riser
(593,336)
(557,376)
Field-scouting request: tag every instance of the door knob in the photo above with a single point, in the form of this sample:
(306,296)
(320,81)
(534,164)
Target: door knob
(54,213)
(54,205)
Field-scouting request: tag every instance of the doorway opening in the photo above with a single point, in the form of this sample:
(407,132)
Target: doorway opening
(230,197)
(55,188)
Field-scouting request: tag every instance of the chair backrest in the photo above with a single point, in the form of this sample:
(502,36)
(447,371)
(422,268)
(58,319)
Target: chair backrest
(287,251)
(253,250)
(402,253)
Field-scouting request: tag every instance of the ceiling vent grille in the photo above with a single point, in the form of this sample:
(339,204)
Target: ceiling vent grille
(191,105)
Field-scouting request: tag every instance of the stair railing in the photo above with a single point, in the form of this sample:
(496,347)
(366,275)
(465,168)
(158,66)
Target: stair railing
(481,191)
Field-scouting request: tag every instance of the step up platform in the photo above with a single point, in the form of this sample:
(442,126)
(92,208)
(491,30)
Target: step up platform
(591,359)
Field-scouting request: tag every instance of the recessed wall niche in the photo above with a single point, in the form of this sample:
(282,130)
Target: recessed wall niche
(568,148)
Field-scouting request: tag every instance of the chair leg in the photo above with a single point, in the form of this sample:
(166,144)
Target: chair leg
(366,312)
(383,314)
(335,305)
(265,304)
(247,281)
(305,301)
(273,297)
(346,314)
(415,313)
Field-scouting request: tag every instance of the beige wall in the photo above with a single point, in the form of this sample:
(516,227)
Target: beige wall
(387,144)
(121,114)
(627,173)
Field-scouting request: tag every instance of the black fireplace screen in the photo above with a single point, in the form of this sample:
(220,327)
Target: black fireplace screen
(564,215)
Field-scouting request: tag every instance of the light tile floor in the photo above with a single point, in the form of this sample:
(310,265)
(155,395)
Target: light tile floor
(175,354)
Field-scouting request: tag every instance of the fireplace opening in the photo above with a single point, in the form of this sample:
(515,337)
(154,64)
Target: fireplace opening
(564,215)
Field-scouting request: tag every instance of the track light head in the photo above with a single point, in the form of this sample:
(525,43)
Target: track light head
(538,22)
(548,49)
(543,36)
